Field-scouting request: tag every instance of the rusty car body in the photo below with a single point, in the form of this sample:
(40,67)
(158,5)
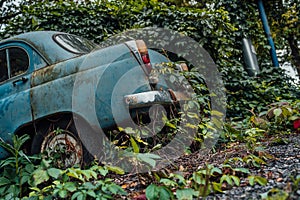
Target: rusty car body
(46,79)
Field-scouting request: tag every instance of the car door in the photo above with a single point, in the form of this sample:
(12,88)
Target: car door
(15,70)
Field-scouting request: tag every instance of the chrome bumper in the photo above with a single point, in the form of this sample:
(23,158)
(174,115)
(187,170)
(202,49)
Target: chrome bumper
(145,99)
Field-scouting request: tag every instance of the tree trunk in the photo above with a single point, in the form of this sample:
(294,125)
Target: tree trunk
(295,52)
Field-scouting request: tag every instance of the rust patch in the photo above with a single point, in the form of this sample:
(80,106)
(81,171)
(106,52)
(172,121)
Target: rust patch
(43,75)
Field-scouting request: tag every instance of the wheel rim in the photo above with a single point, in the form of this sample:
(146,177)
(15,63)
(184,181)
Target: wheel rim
(63,147)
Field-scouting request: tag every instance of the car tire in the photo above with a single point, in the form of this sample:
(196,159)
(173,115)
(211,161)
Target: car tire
(57,139)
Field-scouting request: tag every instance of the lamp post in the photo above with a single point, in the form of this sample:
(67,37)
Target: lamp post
(268,32)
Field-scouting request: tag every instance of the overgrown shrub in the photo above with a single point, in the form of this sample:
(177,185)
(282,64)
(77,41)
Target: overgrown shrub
(34,178)
(246,94)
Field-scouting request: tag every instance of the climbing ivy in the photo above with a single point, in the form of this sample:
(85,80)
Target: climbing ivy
(218,26)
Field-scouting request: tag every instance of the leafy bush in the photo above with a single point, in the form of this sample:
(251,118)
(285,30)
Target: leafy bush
(32,178)
(247,94)
(201,183)
(73,183)
(15,170)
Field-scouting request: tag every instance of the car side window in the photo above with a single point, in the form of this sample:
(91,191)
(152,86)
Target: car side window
(3,66)
(18,60)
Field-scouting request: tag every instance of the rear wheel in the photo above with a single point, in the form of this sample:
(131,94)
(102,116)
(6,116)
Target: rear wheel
(58,140)
(63,147)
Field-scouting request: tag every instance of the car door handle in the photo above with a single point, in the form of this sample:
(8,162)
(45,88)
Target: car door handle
(23,80)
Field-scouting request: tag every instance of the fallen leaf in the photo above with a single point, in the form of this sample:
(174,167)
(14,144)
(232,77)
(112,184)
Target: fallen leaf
(181,168)
(269,175)
(279,179)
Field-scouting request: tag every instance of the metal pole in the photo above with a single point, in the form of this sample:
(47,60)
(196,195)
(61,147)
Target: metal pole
(268,32)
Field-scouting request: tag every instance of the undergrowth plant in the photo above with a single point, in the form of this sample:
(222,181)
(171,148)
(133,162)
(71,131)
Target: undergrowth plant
(15,170)
(246,93)
(201,183)
(24,177)
(275,118)
(74,183)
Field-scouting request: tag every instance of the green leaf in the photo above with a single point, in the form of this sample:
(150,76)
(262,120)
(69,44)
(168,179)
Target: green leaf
(62,193)
(168,124)
(148,158)
(40,176)
(241,169)
(261,180)
(25,179)
(276,194)
(77,195)
(135,147)
(217,187)
(89,186)
(70,186)
(91,193)
(7,147)
(236,180)
(74,173)
(259,160)
(102,171)
(156,147)
(168,182)
(4,181)
(251,180)
(115,169)
(115,189)
(129,130)
(293,118)
(264,195)
(45,163)
(54,172)
(181,179)
(165,193)
(199,178)
(152,192)
(21,140)
(217,113)
(186,194)
(89,174)
(226,165)
(216,170)
(277,112)
(23,155)
(226,178)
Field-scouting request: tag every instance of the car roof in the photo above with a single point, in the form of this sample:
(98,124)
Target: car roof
(43,43)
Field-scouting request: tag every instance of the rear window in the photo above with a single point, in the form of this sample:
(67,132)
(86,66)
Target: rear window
(74,44)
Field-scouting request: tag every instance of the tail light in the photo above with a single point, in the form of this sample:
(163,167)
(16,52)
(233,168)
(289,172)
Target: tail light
(142,48)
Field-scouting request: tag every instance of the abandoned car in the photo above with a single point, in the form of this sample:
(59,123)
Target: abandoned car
(48,78)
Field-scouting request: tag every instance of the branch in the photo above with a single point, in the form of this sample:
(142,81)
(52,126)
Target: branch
(295,51)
